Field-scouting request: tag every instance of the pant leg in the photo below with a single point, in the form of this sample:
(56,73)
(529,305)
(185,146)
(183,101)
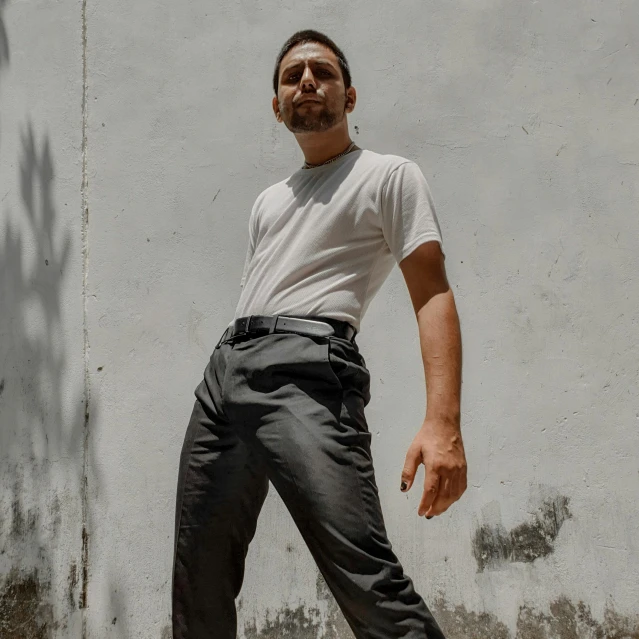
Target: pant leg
(221,488)
(308,398)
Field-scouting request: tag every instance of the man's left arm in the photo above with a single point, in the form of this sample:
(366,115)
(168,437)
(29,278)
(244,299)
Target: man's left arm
(438,444)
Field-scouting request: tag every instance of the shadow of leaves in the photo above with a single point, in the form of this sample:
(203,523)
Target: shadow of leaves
(42,409)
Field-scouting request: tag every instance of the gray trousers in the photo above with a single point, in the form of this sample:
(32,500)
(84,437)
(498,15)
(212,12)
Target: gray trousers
(290,409)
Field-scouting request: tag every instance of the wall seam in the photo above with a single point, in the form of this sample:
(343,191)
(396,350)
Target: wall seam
(85,324)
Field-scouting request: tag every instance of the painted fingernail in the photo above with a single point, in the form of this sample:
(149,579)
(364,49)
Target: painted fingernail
(404,485)
(430,517)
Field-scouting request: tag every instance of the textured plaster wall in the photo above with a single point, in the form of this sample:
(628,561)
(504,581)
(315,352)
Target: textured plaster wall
(134,138)
(42,389)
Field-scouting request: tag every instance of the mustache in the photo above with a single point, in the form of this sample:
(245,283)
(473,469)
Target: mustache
(308,96)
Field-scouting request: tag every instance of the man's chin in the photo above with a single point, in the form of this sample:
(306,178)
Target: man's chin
(309,126)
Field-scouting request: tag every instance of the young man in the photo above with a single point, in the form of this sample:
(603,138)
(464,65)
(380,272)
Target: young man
(283,396)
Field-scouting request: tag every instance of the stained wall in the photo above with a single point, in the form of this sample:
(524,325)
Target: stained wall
(134,138)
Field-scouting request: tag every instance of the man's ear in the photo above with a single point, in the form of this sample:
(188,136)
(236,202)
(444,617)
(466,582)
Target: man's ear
(351,99)
(276,109)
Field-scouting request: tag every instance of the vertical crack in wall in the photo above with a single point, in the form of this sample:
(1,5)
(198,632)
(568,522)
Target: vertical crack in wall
(87,386)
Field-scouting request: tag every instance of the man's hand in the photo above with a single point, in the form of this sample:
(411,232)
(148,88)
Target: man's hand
(438,445)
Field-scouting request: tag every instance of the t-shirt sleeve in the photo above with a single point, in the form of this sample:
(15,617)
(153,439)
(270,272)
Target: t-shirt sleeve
(407,211)
(251,244)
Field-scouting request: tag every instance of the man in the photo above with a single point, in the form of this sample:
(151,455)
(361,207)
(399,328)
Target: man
(283,396)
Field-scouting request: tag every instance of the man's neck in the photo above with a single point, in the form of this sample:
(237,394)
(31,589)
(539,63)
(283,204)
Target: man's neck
(320,147)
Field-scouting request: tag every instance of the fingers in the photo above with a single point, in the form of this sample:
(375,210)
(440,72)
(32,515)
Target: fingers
(413,459)
(452,486)
(431,489)
(446,495)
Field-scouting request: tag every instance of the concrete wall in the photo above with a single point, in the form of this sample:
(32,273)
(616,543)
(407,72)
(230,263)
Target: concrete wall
(42,387)
(129,160)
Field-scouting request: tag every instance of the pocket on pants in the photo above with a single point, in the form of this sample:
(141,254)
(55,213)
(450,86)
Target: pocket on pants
(348,367)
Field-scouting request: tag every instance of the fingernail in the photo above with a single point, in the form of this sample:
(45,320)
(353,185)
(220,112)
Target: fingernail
(404,485)
(430,517)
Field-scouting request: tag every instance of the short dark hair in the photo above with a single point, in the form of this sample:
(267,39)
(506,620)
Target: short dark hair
(309,35)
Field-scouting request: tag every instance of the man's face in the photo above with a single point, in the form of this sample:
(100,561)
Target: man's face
(311,95)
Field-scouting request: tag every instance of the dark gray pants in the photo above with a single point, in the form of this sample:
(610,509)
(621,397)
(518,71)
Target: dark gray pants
(289,409)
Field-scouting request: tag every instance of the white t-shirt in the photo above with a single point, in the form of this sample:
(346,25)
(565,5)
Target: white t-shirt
(323,241)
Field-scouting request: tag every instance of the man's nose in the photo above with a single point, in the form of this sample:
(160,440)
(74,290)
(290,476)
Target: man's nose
(308,79)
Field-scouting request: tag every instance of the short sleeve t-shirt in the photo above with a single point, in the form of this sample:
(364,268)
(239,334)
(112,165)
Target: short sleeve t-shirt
(323,241)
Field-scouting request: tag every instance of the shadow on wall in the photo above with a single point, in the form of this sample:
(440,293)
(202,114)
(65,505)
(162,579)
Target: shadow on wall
(42,408)
(4,41)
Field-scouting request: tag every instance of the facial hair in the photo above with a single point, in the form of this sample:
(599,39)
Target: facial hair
(312,121)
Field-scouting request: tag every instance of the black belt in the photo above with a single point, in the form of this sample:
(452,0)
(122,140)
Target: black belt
(255,325)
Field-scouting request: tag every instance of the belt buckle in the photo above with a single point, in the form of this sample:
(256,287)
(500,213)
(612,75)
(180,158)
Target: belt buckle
(258,331)
(247,329)
(242,332)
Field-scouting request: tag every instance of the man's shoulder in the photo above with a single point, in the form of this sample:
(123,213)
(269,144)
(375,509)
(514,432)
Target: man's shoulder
(383,164)
(387,160)
(269,191)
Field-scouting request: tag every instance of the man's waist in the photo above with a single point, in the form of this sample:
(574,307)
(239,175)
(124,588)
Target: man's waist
(317,326)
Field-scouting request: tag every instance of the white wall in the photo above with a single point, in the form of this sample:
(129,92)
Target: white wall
(525,119)
(42,390)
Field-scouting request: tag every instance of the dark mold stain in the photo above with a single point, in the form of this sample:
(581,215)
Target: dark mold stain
(458,622)
(55,514)
(85,568)
(564,620)
(616,626)
(304,622)
(1,386)
(23,611)
(17,518)
(73,582)
(21,523)
(298,623)
(336,625)
(567,620)
(493,545)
